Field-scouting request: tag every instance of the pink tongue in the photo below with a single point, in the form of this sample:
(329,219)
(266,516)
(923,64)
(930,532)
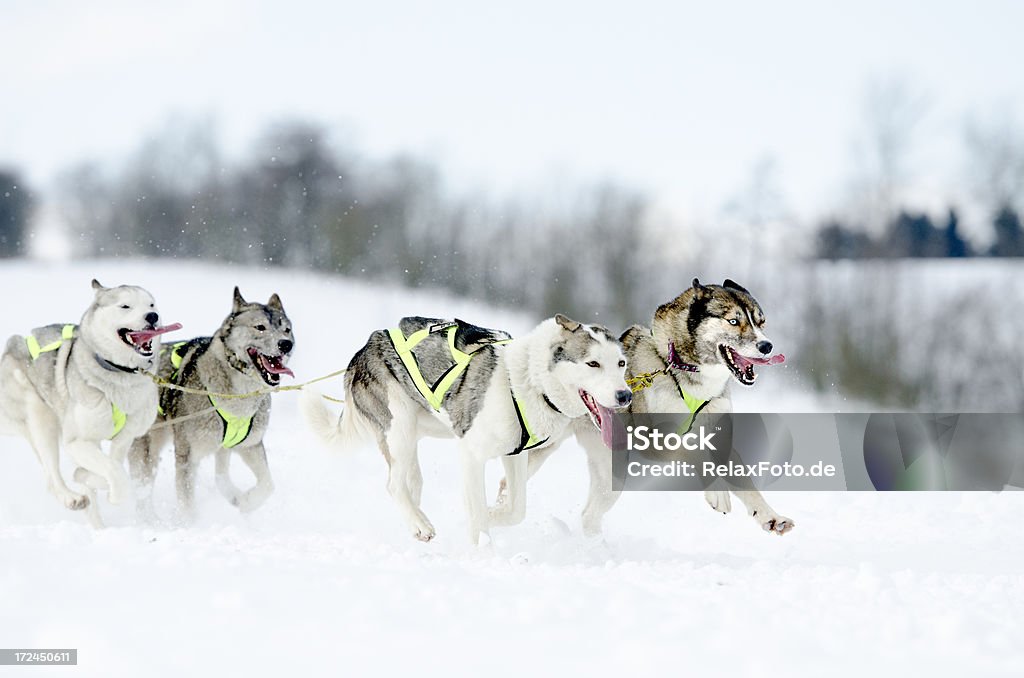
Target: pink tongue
(607,424)
(273,368)
(142,336)
(774,360)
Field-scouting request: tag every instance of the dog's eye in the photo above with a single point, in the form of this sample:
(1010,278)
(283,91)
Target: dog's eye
(622,363)
(126,307)
(260,328)
(733,321)
(593,363)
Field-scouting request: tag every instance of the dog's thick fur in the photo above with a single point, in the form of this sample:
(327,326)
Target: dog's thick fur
(709,325)
(64,398)
(252,339)
(551,370)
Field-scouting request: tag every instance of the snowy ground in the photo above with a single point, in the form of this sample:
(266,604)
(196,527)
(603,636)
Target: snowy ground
(324,579)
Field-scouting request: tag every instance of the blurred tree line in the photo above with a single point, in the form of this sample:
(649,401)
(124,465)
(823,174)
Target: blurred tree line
(299,201)
(915,235)
(15,212)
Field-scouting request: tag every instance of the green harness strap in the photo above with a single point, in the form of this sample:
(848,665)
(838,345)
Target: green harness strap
(529,439)
(694,404)
(404,346)
(68,332)
(435,396)
(236,429)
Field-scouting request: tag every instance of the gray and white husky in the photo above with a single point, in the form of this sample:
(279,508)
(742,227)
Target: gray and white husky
(500,398)
(248,353)
(74,386)
(708,336)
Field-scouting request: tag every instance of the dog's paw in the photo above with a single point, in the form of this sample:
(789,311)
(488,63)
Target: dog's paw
(775,523)
(718,500)
(75,502)
(422,529)
(502,497)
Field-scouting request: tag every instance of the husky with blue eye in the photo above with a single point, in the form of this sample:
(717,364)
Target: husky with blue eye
(703,340)
(502,398)
(73,386)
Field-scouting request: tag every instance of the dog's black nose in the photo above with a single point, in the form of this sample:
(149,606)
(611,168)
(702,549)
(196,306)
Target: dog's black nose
(764,347)
(623,398)
(285,345)
(152,317)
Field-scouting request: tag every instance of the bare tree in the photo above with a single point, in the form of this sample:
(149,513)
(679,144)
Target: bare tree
(893,109)
(995,156)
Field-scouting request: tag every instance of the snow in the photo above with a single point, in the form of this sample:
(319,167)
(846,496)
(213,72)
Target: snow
(324,579)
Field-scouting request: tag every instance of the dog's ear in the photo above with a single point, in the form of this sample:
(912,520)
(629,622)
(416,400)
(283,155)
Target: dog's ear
(733,285)
(275,303)
(567,324)
(239,301)
(701,290)
(97,285)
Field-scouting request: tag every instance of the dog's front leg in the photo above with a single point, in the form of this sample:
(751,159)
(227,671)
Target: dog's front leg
(142,465)
(511,508)
(602,496)
(184,478)
(474,495)
(111,476)
(255,458)
(765,515)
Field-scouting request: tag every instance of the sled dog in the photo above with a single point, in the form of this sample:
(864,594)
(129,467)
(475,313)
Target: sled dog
(708,336)
(500,398)
(74,386)
(248,353)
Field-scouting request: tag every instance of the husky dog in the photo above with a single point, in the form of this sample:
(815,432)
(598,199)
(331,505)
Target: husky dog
(77,385)
(500,398)
(249,352)
(706,337)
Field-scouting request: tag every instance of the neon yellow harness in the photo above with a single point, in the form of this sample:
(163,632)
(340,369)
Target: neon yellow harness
(236,429)
(694,404)
(435,395)
(66,333)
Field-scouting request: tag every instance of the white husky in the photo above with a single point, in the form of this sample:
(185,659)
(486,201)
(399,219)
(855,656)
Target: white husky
(445,378)
(77,385)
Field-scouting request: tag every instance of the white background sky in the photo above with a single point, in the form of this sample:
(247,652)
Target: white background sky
(681,99)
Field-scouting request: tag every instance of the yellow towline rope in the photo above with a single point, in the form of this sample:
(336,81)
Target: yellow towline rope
(164,383)
(642,381)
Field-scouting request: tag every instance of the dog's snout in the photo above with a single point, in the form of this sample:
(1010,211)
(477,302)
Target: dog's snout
(152,317)
(764,347)
(624,397)
(285,345)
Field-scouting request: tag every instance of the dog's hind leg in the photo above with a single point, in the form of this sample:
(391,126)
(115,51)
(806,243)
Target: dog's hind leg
(511,506)
(415,479)
(255,458)
(399,448)
(765,515)
(42,429)
(601,497)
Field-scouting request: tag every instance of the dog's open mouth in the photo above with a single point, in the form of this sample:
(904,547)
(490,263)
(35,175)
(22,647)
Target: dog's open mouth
(270,367)
(142,340)
(742,367)
(600,415)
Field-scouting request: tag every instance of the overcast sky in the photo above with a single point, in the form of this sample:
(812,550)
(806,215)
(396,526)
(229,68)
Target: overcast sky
(681,99)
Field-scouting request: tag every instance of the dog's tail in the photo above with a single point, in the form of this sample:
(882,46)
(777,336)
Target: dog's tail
(342,430)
